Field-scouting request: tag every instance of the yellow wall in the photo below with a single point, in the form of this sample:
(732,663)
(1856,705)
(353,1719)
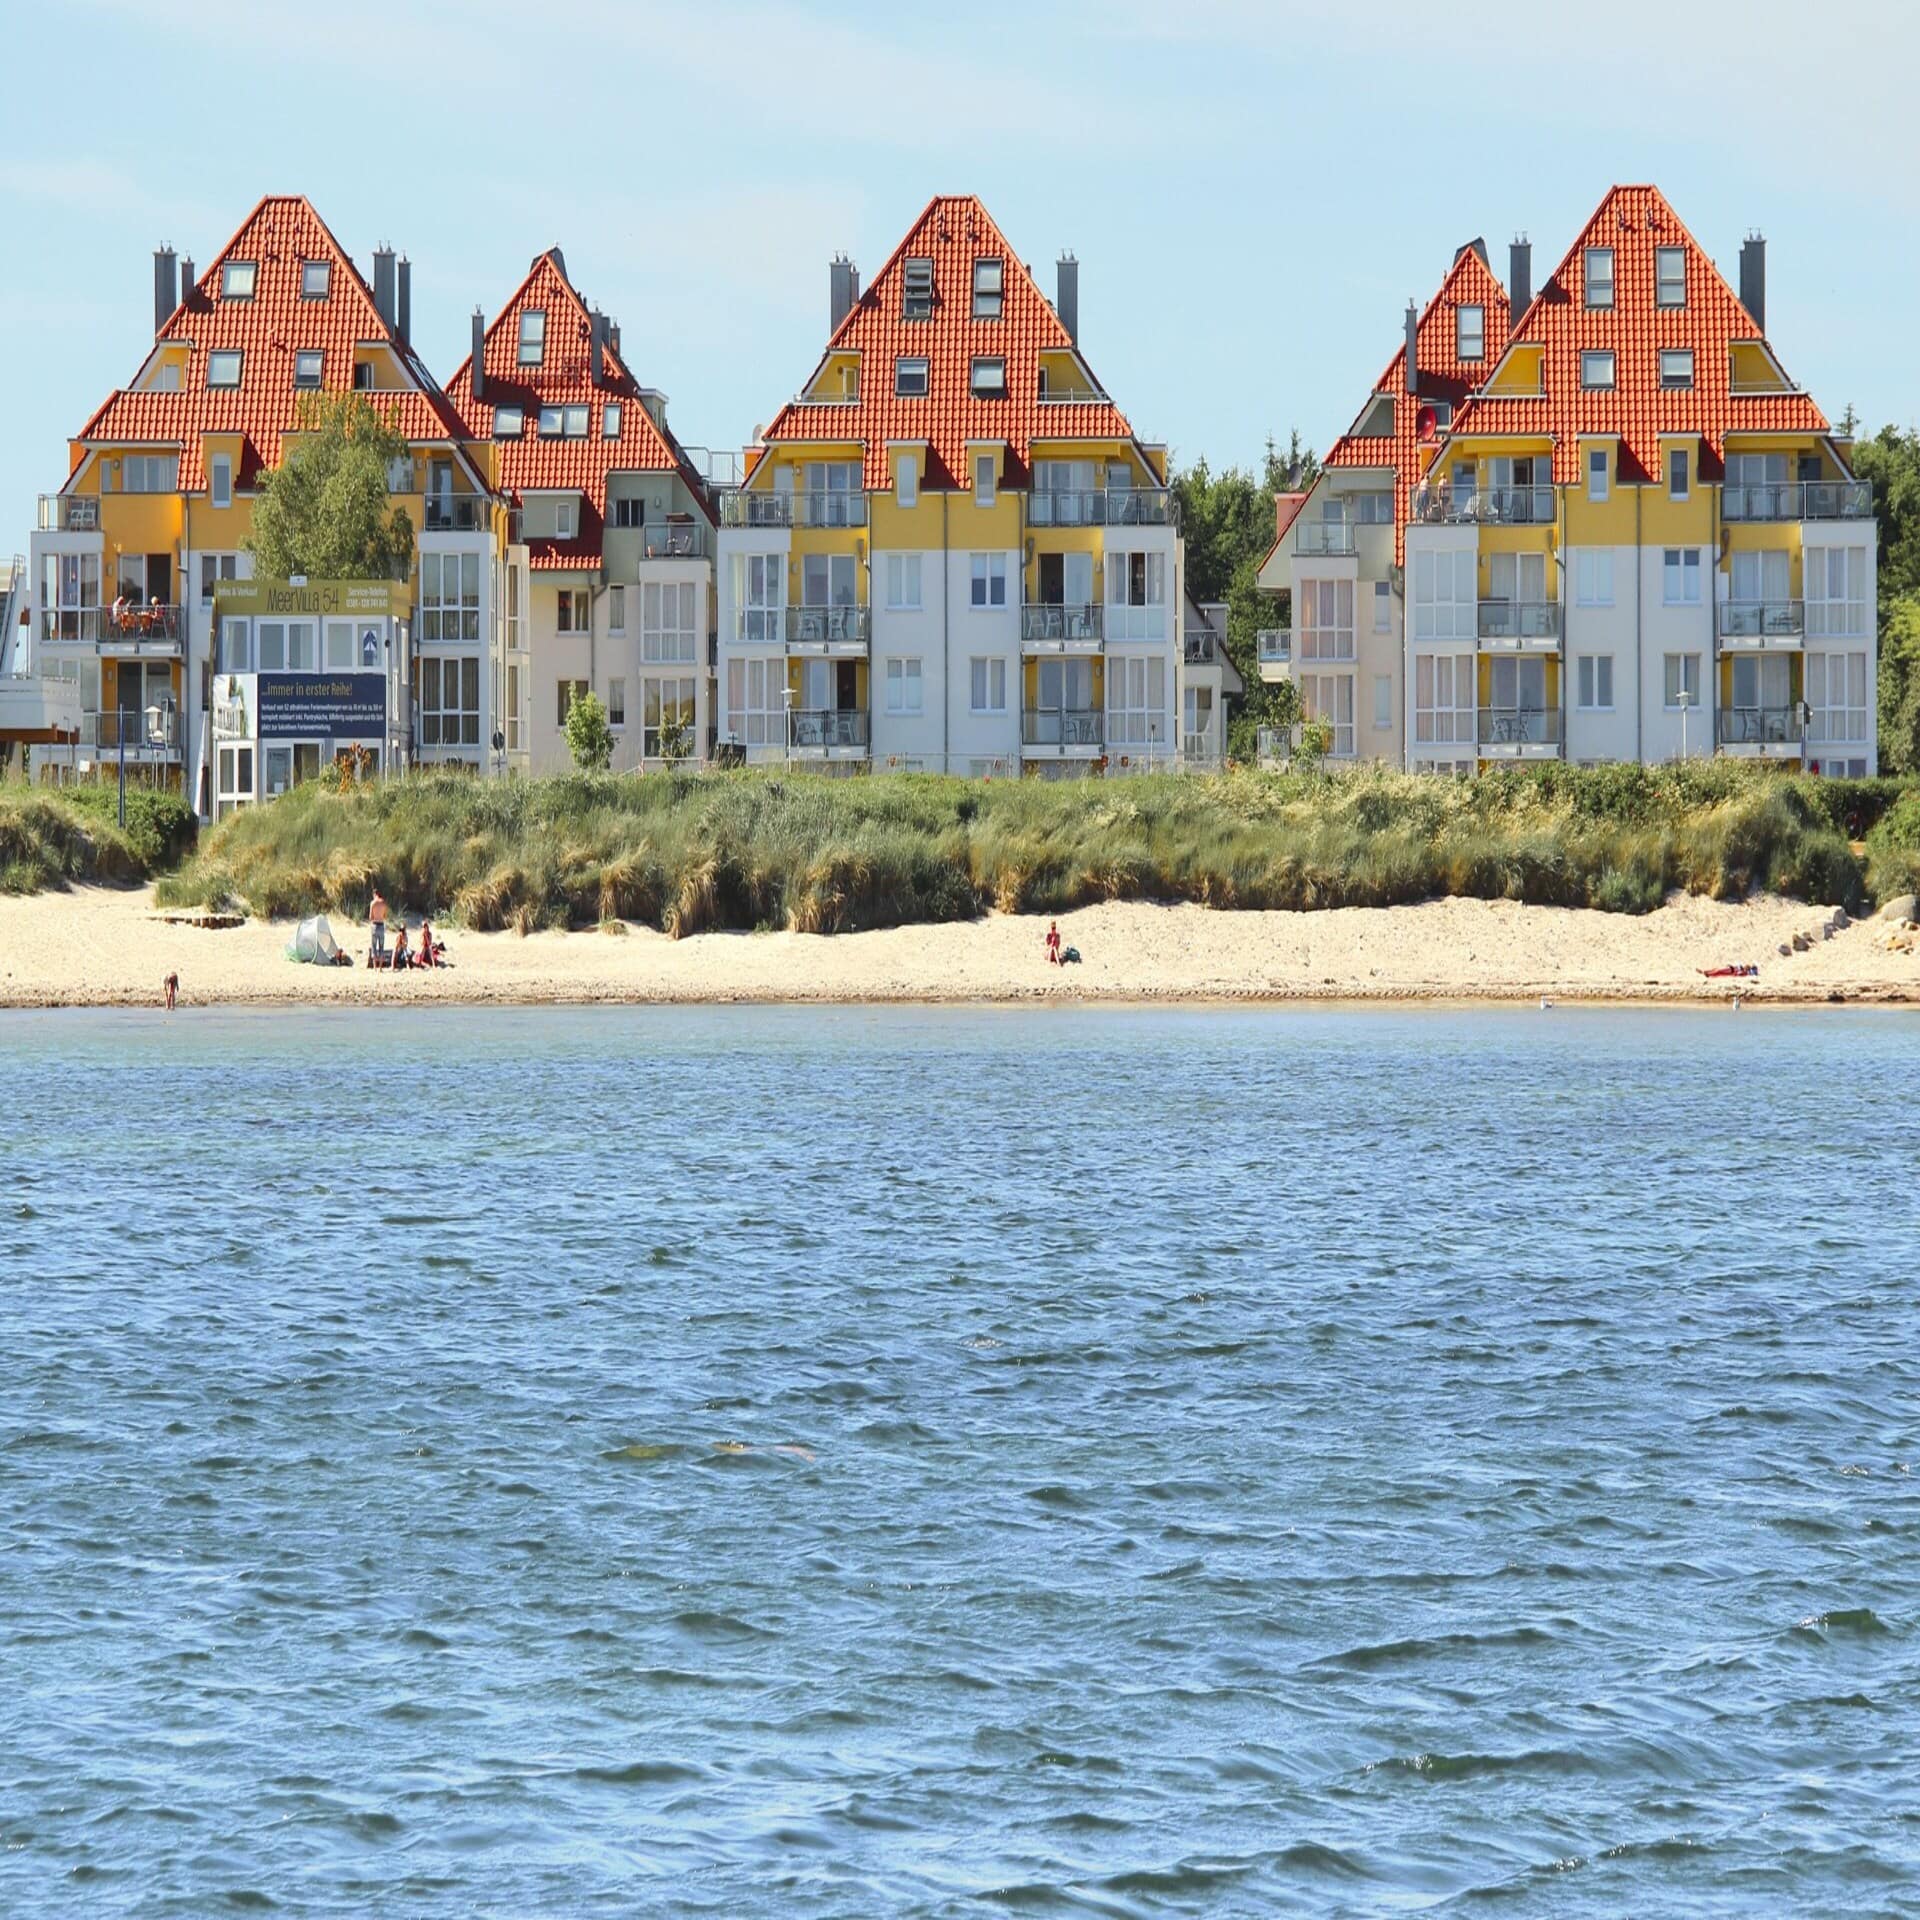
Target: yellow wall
(1519,372)
(1519,540)
(1030,681)
(861,689)
(1486,679)
(1753,369)
(1767,537)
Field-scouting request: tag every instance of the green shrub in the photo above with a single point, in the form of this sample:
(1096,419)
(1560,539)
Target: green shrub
(50,837)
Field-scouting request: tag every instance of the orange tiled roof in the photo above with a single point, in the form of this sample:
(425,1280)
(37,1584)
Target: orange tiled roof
(1443,375)
(954,230)
(1633,221)
(279,235)
(564,377)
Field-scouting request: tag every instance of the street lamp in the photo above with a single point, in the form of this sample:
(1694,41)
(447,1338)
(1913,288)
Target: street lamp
(1683,700)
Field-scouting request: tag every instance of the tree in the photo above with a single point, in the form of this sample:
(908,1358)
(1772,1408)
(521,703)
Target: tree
(1900,685)
(589,737)
(324,512)
(1891,461)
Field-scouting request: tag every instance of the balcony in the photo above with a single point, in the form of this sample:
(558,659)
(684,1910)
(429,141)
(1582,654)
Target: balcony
(1102,507)
(1521,733)
(1442,504)
(129,634)
(1277,743)
(834,508)
(833,631)
(1759,733)
(1276,653)
(458,513)
(1057,396)
(1796,500)
(829,731)
(1205,647)
(674,539)
(105,729)
(1748,626)
(1061,729)
(69,513)
(1323,537)
(1061,629)
(1533,626)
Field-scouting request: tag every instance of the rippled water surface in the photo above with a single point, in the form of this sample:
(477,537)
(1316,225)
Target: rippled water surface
(800,1462)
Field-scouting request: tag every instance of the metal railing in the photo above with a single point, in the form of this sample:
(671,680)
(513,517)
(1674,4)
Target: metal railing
(1520,727)
(1204,648)
(828,626)
(1519,620)
(1762,619)
(1324,536)
(1276,645)
(798,509)
(1277,743)
(821,729)
(1101,507)
(1052,396)
(104,728)
(672,539)
(1797,500)
(1757,726)
(69,513)
(1441,503)
(458,513)
(1060,726)
(1067,626)
(83,624)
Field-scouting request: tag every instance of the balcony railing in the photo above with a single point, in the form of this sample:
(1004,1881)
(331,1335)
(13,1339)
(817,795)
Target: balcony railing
(1060,726)
(1762,620)
(825,729)
(673,539)
(1057,396)
(828,626)
(104,729)
(458,513)
(1797,500)
(1101,507)
(801,509)
(1323,536)
(1062,626)
(1204,648)
(1520,727)
(1519,620)
(82,624)
(69,513)
(1758,727)
(1442,504)
(1276,646)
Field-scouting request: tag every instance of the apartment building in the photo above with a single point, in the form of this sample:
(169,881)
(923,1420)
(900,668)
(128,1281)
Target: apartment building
(951,550)
(1337,568)
(156,510)
(608,565)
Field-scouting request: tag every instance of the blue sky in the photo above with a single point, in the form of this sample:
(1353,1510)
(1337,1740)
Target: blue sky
(1254,190)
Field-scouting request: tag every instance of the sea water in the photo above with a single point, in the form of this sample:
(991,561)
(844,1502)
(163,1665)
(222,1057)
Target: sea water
(938,1462)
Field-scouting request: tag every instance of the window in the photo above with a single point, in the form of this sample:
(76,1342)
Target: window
(569,692)
(1680,575)
(1518,579)
(1594,672)
(1443,699)
(1445,596)
(988,684)
(616,699)
(903,686)
(147,473)
(616,609)
(1676,367)
(287,646)
(989,585)
(236,779)
(667,716)
(449,596)
(1137,701)
(906,480)
(573,612)
(1670,276)
(1323,619)
(757,702)
(220,473)
(316,279)
(507,423)
(903,582)
(576,423)
(338,653)
(1677,473)
(1836,586)
(916,300)
(450,701)
(236,646)
(668,633)
(1837,694)
(1596,371)
(237,279)
(988,276)
(827,580)
(515,742)
(989,378)
(223,368)
(986,471)
(215,567)
(1382,607)
(910,379)
(610,421)
(1593,576)
(760,591)
(1382,702)
(1597,473)
(1760,582)
(1683,679)
(363,376)
(1470,332)
(566,519)
(1329,697)
(1137,596)
(1370,509)
(307,367)
(533,338)
(1599,276)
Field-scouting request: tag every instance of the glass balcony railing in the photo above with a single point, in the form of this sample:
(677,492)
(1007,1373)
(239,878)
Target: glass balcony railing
(69,513)
(1757,727)
(458,513)
(1796,500)
(105,731)
(1060,726)
(1276,646)
(832,508)
(673,539)
(1520,620)
(1323,536)
(828,626)
(1101,507)
(1062,625)
(1762,620)
(826,729)
(1520,727)
(1443,504)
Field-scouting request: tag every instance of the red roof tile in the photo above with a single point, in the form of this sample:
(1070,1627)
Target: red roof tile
(279,235)
(564,377)
(953,232)
(1634,221)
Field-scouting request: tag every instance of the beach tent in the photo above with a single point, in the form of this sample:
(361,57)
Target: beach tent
(314,941)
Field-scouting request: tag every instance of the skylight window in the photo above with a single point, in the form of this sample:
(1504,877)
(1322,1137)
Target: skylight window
(610,421)
(916,300)
(910,379)
(1596,370)
(1676,367)
(1670,276)
(576,423)
(988,279)
(316,279)
(223,369)
(533,338)
(990,379)
(1599,276)
(307,368)
(507,423)
(563,423)
(237,278)
(1470,332)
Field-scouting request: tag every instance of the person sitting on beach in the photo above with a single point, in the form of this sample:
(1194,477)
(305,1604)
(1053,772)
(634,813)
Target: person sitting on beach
(429,947)
(1053,944)
(402,960)
(377,916)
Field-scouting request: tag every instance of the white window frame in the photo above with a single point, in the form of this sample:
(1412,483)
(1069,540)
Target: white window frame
(668,700)
(532,335)
(617,703)
(316,279)
(566,519)
(1599,473)
(449,700)
(987,683)
(1323,620)
(1593,674)
(1835,581)
(989,286)
(1680,673)
(1680,577)
(1470,338)
(1593,281)
(1137,708)
(757,702)
(1661,255)
(1383,703)
(220,479)
(906,480)
(1136,599)
(906,687)
(1854,706)
(987,583)
(1593,361)
(987,377)
(509,423)
(1593,576)
(450,598)
(1445,595)
(903,578)
(670,623)
(315,359)
(239,279)
(616,609)
(986,476)
(610,421)
(1382,607)
(1676,369)
(1679,472)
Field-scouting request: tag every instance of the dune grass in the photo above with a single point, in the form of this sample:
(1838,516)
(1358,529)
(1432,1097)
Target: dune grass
(51,837)
(759,849)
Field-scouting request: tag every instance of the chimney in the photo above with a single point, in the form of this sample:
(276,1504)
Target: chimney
(404,305)
(187,281)
(843,290)
(613,334)
(166,288)
(597,327)
(1413,348)
(1519,276)
(559,259)
(1067,295)
(1753,278)
(383,283)
(479,354)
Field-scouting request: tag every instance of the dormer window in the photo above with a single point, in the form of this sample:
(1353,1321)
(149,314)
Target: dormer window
(307,368)
(610,421)
(910,379)
(237,278)
(916,302)
(988,276)
(316,279)
(363,376)
(507,423)
(1599,277)
(223,369)
(533,338)
(1470,332)
(990,379)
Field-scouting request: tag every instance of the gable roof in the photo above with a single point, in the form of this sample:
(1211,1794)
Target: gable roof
(564,377)
(281,233)
(953,231)
(1635,221)
(1441,375)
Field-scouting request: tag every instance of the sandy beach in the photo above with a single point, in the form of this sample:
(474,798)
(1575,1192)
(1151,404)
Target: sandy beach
(103,947)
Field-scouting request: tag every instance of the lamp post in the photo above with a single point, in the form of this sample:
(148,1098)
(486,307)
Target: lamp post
(1683,700)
